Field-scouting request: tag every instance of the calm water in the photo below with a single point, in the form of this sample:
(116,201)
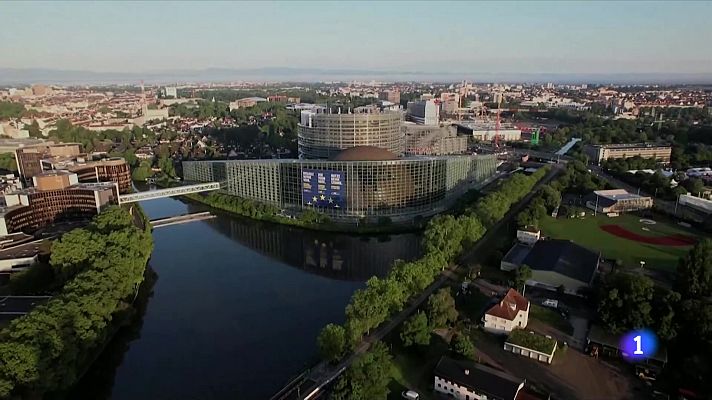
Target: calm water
(235,308)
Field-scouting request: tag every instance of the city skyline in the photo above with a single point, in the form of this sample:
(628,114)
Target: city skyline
(393,38)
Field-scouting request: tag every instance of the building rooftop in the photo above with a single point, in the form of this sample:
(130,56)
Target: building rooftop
(494,383)
(628,145)
(561,256)
(616,194)
(365,153)
(509,306)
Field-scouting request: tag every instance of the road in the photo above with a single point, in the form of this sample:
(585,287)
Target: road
(323,374)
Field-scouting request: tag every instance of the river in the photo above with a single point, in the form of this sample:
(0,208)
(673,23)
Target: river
(236,307)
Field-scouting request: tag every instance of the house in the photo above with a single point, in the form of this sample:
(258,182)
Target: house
(511,312)
(554,263)
(467,380)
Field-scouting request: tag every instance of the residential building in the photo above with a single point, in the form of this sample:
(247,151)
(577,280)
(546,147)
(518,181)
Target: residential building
(425,112)
(467,380)
(449,103)
(56,196)
(433,140)
(617,201)
(392,95)
(598,153)
(554,263)
(246,102)
(512,312)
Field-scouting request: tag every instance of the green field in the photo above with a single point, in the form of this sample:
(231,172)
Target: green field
(587,232)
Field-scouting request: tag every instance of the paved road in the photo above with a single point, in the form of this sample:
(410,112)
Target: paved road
(323,374)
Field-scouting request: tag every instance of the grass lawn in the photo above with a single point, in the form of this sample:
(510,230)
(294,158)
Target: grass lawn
(587,232)
(414,367)
(550,317)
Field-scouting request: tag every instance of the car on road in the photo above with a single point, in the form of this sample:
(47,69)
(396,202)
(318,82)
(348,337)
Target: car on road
(410,395)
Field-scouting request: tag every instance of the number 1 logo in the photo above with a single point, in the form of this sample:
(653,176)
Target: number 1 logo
(638,345)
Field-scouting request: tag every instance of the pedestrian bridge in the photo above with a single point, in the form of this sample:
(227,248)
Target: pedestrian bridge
(168,192)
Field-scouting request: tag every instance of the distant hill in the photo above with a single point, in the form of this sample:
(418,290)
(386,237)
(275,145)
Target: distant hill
(16,76)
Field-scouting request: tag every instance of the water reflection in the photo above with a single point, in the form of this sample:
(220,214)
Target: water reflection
(336,256)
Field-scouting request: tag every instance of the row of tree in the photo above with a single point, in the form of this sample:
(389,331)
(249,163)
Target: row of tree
(101,267)
(444,239)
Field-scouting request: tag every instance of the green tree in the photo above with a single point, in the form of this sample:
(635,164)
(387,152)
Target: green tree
(34,129)
(441,308)
(463,346)
(368,377)
(521,276)
(416,330)
(694,272)
(625,301)
(332,342)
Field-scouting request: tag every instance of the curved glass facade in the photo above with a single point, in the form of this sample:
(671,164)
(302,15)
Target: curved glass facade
(323,135)
(400,189)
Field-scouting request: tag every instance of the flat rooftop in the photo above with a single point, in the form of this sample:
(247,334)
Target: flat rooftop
(617,194)
(630,145)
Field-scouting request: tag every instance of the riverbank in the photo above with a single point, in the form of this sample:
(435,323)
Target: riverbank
(100,269)
(311,220)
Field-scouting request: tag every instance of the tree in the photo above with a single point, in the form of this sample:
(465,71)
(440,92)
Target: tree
(332,342)
(463,346)
(441,308)
(368,377)
(34,129)
(416,330)
(521,276)
(694,272)
(625,301)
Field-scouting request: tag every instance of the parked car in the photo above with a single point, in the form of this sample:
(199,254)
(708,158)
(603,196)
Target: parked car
(410,395)
(550,303)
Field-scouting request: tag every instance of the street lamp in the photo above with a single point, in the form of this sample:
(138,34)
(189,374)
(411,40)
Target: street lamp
(642,264)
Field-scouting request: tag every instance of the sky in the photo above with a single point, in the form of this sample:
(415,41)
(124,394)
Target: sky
(516,37)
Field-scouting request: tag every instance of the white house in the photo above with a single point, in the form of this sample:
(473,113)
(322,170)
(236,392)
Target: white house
(528,235)
(467,380)
(511,312)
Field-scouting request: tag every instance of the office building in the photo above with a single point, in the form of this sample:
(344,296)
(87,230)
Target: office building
(598,153)
(170,91)
(359,184)
(29,158)
(487,131)
(56,196)
(325,134)
(433,140)
(426,112)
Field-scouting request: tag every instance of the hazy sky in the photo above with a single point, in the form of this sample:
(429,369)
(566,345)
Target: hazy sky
(557,37)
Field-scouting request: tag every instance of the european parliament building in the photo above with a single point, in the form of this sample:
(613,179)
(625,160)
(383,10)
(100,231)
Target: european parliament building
(359,182)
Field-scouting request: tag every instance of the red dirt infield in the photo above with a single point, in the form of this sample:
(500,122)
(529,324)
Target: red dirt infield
(672,240)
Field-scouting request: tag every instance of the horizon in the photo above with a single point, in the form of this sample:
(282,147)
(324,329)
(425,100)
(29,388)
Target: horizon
(461,40)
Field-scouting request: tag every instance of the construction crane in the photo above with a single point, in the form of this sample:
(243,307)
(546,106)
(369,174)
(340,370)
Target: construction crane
(497,124)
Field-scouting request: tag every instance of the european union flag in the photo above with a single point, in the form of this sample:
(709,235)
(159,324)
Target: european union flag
(323,188)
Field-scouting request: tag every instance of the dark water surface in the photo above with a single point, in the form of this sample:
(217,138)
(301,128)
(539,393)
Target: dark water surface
(236,307)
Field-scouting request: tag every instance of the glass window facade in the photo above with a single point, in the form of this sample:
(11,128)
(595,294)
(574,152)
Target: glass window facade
(399,189)
(324,135)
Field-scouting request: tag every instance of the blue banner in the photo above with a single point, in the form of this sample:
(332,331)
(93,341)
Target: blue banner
(323,188)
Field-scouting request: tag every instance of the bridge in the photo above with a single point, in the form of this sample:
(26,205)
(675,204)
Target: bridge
(181,219)
(168,192)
